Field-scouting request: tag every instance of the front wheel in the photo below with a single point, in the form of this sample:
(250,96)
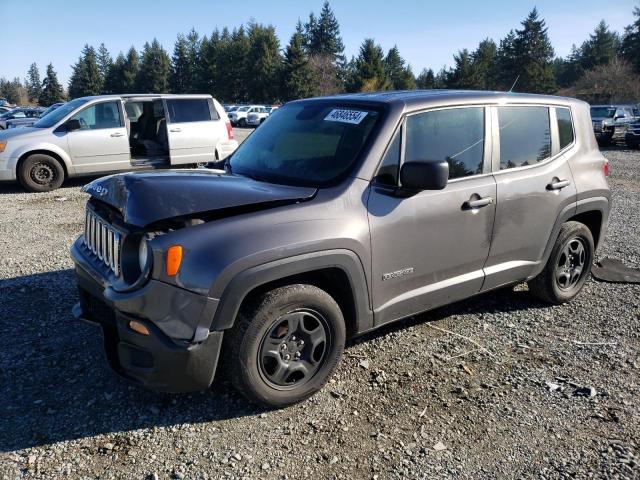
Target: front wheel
(568,266)
(285,345)
(40,173)
(242,123)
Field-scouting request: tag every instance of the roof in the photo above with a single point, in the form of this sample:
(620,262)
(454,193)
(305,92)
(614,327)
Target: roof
(421,98)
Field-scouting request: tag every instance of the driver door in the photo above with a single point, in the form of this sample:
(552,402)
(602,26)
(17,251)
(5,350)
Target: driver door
(429,247)
(101,144)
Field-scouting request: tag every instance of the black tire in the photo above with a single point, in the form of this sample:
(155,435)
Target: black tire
(561,280)
(254,353)
(40,173)
(242,123)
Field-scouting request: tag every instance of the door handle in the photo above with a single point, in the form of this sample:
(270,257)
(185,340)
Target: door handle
(177,129)
(479,203)
(117,134)
(558,184)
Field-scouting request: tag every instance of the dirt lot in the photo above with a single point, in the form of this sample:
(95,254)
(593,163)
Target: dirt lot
(544,392)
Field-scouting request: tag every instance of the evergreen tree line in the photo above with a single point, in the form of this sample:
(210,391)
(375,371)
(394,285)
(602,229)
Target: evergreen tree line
(247,64)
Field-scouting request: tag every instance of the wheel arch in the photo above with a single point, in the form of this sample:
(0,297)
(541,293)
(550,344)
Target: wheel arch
(329,271)
(43,151)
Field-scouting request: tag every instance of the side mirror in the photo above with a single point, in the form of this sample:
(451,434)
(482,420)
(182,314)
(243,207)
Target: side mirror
(425,175)
(618,117)
(71,125)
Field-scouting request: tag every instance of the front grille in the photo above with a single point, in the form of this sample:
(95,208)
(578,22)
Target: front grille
(103,241)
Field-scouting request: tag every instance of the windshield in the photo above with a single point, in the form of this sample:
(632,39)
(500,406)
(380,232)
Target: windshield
(305,144)
(243,109)
(49,110)
(602,112)
(8,114)
(53,117)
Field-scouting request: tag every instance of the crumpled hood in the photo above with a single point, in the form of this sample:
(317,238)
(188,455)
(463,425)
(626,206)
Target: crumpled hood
(145,198)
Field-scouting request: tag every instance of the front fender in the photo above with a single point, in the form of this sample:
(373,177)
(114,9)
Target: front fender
(40,147)
(242,283)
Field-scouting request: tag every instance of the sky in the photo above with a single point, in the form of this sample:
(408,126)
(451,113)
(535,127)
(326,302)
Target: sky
(427,33)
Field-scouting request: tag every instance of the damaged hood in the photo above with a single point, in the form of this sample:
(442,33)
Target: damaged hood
(145,198)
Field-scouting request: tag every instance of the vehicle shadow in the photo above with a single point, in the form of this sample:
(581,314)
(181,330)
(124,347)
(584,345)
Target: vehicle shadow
(12,188)
(56,384)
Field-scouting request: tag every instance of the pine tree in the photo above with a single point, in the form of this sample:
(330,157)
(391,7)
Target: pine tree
(426,80)
(181,74)
(568,70)
(630,45)
(483,75)
(114,81)
(34,85)
(297,78)
(104,61)
(130,71)
(51,89)
(528,54)
(155,69)
(601,47)
(233,65)
(368,72)
(85,79)
(462,75)
(400,75)
(193,56)
(264,61)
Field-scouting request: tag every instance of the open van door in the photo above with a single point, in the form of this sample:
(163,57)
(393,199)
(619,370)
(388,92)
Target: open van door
(191,129)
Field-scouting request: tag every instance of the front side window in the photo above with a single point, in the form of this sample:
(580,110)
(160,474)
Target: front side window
(565,127)
(390,166)
(525,136)
(188,110)
(99,116)
(455,135)
(306,144)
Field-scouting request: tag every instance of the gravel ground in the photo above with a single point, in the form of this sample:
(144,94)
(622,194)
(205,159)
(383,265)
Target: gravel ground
(546,392)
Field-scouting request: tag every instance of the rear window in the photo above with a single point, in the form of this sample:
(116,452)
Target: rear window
(565,127)
(306,144)
(525,136)
(189,110)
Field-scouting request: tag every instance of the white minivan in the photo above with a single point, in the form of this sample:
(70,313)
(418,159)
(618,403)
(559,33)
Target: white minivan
(110,133)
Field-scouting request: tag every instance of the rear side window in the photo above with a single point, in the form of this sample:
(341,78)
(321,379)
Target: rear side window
(455,135)
(525,136)
(188,110)
(565,127)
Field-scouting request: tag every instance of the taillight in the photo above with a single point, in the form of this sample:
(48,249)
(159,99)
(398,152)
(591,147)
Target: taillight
(606,167)
(229,130)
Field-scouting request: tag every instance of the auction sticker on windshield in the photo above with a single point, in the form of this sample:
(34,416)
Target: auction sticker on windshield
(345,116)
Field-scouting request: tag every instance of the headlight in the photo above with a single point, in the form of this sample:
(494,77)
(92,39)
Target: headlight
(136,259)
(143,255)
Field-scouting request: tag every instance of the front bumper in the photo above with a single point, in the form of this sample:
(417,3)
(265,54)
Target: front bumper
(157,360)
(632,138)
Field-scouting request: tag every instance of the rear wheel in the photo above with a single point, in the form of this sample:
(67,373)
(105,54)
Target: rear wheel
(40,173)
(568,266)
(285,345)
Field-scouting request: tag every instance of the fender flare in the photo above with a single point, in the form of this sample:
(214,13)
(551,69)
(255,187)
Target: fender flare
(600,204)
(244,282)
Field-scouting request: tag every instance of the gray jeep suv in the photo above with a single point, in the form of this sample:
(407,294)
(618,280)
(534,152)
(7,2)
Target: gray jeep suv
(337,216)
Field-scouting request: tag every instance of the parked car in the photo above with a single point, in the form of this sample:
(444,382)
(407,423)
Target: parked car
(28,121)
(335,217)
(632,138)
(238,117)
(5,109)
(257,116)
(109,133)
(18,113)
(610,122)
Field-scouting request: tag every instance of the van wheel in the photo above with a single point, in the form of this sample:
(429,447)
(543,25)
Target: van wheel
(568,266)
(285,345)
(40,173)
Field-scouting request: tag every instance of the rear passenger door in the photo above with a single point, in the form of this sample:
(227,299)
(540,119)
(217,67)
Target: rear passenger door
(532,145)
(428,247)
(192,133)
